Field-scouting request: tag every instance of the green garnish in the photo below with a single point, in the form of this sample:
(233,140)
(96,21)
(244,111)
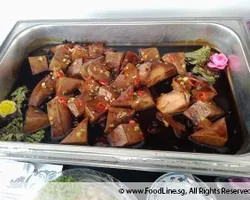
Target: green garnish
(137,128)
(200,56)
(107,73)
(13,131)
(64,179)
(208,74)
(19,96)
(63,188)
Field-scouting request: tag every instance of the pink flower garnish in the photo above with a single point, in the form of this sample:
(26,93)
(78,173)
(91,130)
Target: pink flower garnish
(218,61)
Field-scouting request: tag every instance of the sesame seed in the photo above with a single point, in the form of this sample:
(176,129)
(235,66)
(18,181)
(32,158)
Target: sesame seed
(185,78)
(78,134)
(51,122)
(145,56)
(156,56)
(151,60)
(66,56)
(40,59)
(64,60)
(43,85)
(51,118)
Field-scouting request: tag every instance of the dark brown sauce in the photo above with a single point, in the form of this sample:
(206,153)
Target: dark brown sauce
(163,138)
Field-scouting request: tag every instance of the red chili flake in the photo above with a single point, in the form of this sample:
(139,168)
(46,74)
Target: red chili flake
(59,74)
(132,122)
(140,93)
(79,103)
(201,96)
(104,82)
(89,79)
(100,106)
(136,81)
(107,107)
(62,100)
(171,58)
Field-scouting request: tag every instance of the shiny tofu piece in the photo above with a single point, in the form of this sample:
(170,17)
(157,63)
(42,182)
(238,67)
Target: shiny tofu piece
(181,83)
(92,62)
(89,87)
(99,73)
(177,59)
(79,52)
(65,85)
(214,135)
(38,64)
(167,120)
(74,70)
(160,72)
(130,57)
(205,93)
(35,120)
(59,117)
(96,50)
(204,123)
(142,100)
(117,116)
(125,135)
(144,70)
(113,60)
(173,102)
(42,91)
(150,54)
(95,108)
(109,94)
(128,77)
(77,104)
(61,58)
(125,99)
(202,110)
(79,135)
(54,48)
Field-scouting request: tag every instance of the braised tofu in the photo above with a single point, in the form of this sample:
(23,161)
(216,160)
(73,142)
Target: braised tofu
(65,85)
(130,57)
(54,48)
(99,73)
(144,70)
(89,87)
(74,70)
(214,135)
(204,93)
(61,59)
(173,102)
(96,50)
(150,54)
(35,120)
(125,99)
(113,60)
(59,117)
(128,77)
(92,62)
(38,64)
(160,72)
(204,123)
(79,135)
(142,100)
(202,110)
(77,104)
(167,120)
(125,135)
(95,108)
(42,91)
(117,116)
(181,83)
(109,94)
(79,52)
(178,60)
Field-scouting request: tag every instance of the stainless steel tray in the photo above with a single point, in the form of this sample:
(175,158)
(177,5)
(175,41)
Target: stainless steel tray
(229,35)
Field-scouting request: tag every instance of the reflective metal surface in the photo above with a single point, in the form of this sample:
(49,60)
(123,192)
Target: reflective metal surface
(230,36)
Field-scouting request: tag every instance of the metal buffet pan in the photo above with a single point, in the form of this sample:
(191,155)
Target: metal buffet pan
(228,35)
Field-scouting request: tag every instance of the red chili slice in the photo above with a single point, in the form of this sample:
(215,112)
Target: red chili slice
(132,122)
(62,100)
(59,74)
(101,106)
(140,93)
(104,82)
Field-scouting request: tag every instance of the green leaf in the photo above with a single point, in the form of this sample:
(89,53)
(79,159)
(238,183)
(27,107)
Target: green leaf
(200,56)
